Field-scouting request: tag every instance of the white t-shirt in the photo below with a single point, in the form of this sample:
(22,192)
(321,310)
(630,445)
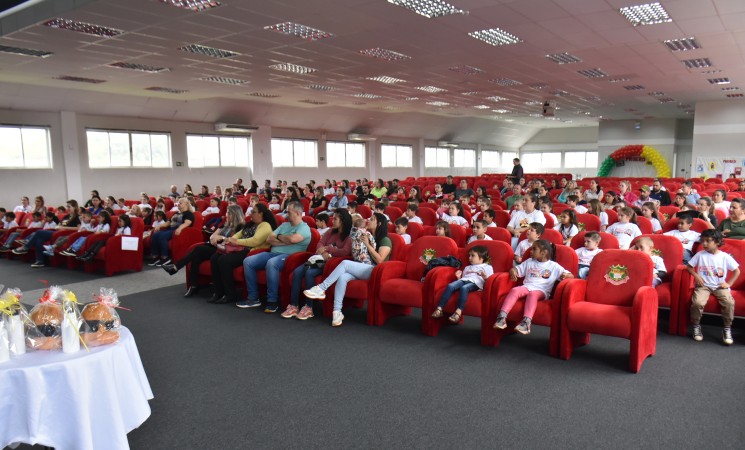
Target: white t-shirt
(126,231)
(553,217)
(567,232)
(493,224)
(455,220)
(522,247)
(11,224)
(36,225)
(407,238)
(585,256)
(102,228)
(471,273)
(724,206)
(659,266)
(523,219)
(415,219)
(625,233)
(579,209)
(157,224)
(603,219)
(540,276)
(687,238)
(473,238)
(655,225)
(85,226)
(713,267)
(21,208)
(50,225)
(211,210)
(322,231)
(274,206)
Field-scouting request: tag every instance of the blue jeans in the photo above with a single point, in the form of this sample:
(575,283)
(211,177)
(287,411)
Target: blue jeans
(687,255)
(159,243)
(583,271)
(343,274)
(463,287)
(307,273)
(272,263)
(78,244)
(37,241)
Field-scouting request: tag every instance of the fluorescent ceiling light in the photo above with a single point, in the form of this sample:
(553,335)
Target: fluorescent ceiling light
(319,87)
(429,8)
(225,80)
(634,87)
(496,98)
(438,103)
(618,79)
(166,90)
(262,94)
(386,79)
(293,68)
(656,94)
(468,70)
(482,106)
(80,79)
(734,96)
(646,14)
(733,88)
(313,102)
(386,55)
(697,63)
(563,58)
(500,111)
(208,51)
(409,99)
(192,5)
(430,89)
(719,81)
(505,82)
(495,36)
(25,51)
(138,67)
(665,100)
(592,73)
(681,45)
(301,31)
(235,128)
(83,27)
(366,95)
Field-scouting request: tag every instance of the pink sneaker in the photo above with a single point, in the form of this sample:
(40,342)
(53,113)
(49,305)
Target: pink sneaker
(290,312)
(305,313)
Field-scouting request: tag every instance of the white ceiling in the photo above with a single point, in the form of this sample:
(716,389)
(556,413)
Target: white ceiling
(592,30)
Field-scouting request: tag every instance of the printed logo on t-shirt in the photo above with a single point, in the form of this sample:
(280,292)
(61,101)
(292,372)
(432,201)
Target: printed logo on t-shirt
(617,275)
(537,272)
(711,271)
(546,274)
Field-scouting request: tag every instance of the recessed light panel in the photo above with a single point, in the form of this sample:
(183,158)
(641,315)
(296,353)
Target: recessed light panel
(560,93)
(505,82)
(500,111)
(386,79)
(592,73)
(138,67)
(665,100)
(313,102)
(301,31)
(709,72)
(496,98)
(319,87)
(438,103)
(468,70)
(495,36)
(469,93)
(192,5)
(656,94)
(431,89)
(733,88)
(646,14)
(262,95)
(293,68)
(538,86)
(80,79)
(208,51)
(563,58)
(735,95)
(618,79)
(82,27)
(24,51)
(429,8)
(385,55)
(410,99)
(366,95)
(225,80)
(482,107)
(697,63)
(167,90)
(634,87)
(681,45)
(719,81)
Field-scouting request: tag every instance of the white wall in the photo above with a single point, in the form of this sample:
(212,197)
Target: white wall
(719,130)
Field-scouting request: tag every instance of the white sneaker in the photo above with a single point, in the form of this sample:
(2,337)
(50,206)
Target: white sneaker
(316,293)
(727,336)
(337,319)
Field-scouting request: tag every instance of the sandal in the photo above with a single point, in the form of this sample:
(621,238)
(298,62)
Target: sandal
(455,318)
(437,314)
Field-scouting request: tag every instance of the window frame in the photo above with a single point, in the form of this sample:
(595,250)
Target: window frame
(396,148)
(438,151)
(293,141)
(130,133)
(219,151)
(24,158)
(464,151)
(347,149)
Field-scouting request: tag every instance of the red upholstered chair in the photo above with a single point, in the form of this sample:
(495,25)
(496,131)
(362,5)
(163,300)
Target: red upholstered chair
(402,205)
(549,221)
(546,313)
(400,285)
(359,290)
(734,247)
(501,257)
(612,216)
(428,216)
(645,225)
(617,299)
(607,241)
(668,212)
(113,258)
(319,210)
(672,224)
(310,221)
(499,234)
(364,211)
(588,222)
(415,230)
(502,218)
(549,234)
(670,250)
(393,213)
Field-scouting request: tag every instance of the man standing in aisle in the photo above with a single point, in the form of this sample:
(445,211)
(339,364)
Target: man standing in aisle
(291,237)
(517,171)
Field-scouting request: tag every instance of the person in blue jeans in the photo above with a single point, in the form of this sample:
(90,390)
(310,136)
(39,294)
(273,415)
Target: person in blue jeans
(468,280)
(291,237)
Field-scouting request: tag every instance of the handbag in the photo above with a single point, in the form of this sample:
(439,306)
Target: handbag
(315,261)
(230,248)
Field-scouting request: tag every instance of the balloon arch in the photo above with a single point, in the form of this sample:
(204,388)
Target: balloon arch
(636,152)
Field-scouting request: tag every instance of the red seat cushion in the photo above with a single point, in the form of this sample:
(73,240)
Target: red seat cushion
(664,294)
(357,289)
(608,320)
(402,292)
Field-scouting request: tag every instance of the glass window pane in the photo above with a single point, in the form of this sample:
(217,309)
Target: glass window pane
(119,148)
(532,160)
(388,155)
(443,157)
(551,160)
(227,151)
(98,149)
(311,153)
(507,158)
(211,147)
(404,156)
(430,157)
(160,148)
(335,154)
(141,150)
(195,151)
(591,160)
(574,159)
(281,153)
(355,155)
(241,152)
(12,147)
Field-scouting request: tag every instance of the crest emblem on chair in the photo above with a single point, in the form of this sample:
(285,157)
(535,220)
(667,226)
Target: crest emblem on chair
(617,274)
(666,216)
(581,226)
(427,255)
(657,252)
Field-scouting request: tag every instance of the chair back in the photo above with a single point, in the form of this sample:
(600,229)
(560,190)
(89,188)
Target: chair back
(668,212)
(310,221)
(612,216)
(428,216)
(588,222)
(616,275)
(669,248)
(502,218)
(415,230)
(607,241)
(424,247)
(393,213)
(364,211)
(500,254)
(398,251)
(736,248)
(458,234)
(499,234)
(645,225)
(672,224)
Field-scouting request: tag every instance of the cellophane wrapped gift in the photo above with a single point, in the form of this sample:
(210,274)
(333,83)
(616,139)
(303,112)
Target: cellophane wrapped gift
(101,321)
(16,320)
(45,332)
(71,323)
(6,310)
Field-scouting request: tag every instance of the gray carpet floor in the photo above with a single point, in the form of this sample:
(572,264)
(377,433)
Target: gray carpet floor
(229,378)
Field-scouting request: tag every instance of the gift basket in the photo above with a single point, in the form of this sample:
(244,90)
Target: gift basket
(45,330)
(102,322)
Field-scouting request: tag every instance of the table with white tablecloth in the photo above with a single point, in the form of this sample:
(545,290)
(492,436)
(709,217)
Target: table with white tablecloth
(84,400)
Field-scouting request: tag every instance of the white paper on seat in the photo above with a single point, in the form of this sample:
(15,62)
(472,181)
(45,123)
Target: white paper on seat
(130,243)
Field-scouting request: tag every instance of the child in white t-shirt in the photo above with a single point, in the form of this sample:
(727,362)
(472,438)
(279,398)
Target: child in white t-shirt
(214,207)
(625,230)
(573,203)
(686,236)
(479,232)
(488,217)
(586,254)
(540,274)
(567,226)
(455,215)
(532,234)
(402,223)
(468,280)
(410,214)
(521,219)
(322,223)
(646,245)
(709,269)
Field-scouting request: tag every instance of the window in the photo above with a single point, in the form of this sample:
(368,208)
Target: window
(507,158)
(294,153)
(128,149)
(395,155)
(464,158)
(536,161)
(574,160)
(345,154)
(217,151)
(490,159)
(25,148)
(436,157)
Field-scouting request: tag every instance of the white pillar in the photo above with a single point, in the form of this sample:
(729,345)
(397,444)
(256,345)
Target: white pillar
(71,150)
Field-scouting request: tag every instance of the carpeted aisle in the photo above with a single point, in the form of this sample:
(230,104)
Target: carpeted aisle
(230,378)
